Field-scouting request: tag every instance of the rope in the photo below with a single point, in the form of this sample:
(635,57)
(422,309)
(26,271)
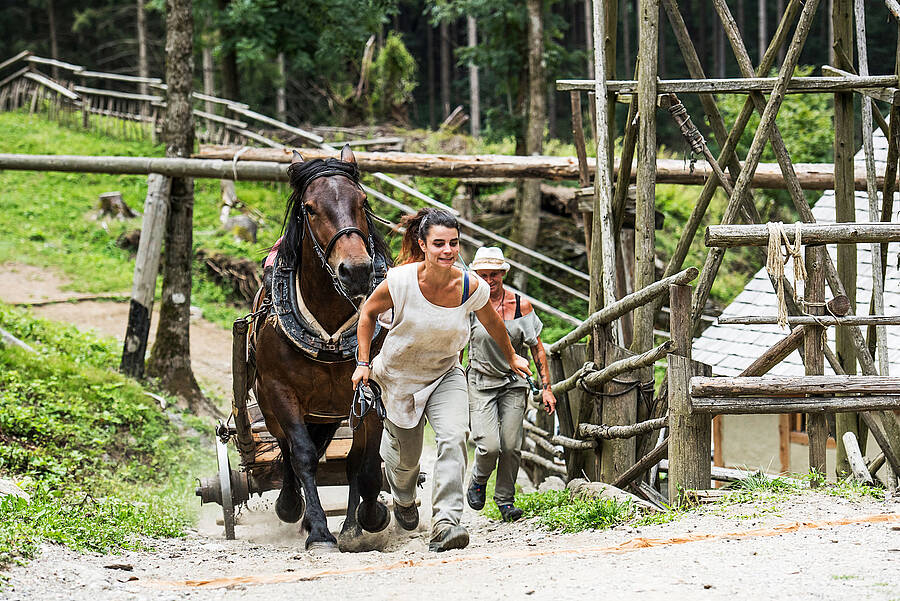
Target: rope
(775,261)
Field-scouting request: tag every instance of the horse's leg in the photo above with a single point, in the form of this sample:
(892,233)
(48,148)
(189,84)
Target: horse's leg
(304,460)
(364,478)
(289,506)
(371,514)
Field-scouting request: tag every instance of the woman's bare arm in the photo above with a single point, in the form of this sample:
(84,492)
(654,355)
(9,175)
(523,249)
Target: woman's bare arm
(379,302)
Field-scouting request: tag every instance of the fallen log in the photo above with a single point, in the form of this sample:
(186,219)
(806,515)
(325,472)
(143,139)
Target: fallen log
(812,176)
(725,474)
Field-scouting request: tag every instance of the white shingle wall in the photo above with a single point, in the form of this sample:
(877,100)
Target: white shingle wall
(730,349)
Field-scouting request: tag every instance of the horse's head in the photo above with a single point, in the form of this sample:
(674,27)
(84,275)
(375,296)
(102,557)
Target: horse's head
(327,214)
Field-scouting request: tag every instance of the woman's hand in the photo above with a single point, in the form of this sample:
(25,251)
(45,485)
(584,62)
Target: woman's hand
(360,374)
(520,365)
(549,400)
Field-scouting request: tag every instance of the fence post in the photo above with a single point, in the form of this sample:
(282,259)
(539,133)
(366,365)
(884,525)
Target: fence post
(814,354)
(146,266)
(689,434)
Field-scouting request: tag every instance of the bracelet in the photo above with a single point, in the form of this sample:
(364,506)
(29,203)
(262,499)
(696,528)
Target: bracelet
(363,364)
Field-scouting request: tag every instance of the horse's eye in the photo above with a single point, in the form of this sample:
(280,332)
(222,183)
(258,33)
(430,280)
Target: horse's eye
(310,210)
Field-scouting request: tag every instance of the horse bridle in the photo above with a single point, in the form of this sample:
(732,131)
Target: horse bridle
(323,254)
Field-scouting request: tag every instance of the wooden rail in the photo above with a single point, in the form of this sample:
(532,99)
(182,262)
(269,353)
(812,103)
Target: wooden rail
(811,404)
(787,386)
(729,236)
(821,320)
(738,85)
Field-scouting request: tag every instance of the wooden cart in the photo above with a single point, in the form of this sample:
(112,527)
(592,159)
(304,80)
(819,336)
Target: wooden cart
(260,458)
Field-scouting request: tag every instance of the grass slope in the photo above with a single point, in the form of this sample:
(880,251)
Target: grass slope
(105,466)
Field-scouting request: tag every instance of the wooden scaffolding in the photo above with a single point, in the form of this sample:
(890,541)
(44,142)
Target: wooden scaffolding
(689,417)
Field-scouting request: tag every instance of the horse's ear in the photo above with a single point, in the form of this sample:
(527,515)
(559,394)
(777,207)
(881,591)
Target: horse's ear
(347,154)
(295,157)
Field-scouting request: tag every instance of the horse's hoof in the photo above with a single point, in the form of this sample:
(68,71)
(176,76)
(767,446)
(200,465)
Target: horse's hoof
(290,512)
(322,546)
(356,540)
(382,517)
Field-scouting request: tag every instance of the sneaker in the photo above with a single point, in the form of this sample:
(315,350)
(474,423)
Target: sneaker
(407,517)
(475,495)
(451,537)
(509,513)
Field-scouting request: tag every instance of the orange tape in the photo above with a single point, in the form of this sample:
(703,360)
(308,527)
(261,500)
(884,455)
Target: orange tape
(633,544)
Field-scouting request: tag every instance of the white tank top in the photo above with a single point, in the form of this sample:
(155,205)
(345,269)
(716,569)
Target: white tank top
(422,345)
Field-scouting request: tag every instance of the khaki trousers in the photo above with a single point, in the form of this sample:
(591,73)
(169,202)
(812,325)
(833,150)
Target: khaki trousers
(401,449)
(496,420)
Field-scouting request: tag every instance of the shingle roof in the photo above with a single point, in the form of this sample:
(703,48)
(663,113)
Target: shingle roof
(729,349)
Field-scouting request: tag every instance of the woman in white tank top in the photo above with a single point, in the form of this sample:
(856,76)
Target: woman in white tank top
(419,372)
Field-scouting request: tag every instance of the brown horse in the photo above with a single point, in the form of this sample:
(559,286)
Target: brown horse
(331,246)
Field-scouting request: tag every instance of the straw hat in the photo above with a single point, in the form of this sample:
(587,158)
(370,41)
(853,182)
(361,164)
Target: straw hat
(489,257)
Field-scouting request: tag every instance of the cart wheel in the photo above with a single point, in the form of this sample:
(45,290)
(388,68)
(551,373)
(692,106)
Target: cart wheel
(225,485)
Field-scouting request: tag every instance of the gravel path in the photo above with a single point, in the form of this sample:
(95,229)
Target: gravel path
(814,558)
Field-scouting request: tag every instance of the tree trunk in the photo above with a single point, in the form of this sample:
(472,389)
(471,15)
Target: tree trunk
(625,11)
(528,208)
(143,68)
(230,81)
(170,359)
(280,97)
(762,31)
(54,42)
(429,58)
(474,100)
(444,39)
(589,36)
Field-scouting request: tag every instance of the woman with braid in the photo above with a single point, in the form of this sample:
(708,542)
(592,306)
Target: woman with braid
(419,372)
(497,395)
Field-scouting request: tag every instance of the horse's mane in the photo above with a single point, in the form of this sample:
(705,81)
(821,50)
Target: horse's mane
(301,174)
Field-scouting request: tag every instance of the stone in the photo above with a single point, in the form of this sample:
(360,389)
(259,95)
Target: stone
(552,483)
(10,488)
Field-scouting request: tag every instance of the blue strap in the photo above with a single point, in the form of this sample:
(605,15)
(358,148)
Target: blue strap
(465,287)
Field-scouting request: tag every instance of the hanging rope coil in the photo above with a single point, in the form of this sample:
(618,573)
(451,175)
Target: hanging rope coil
(775,261)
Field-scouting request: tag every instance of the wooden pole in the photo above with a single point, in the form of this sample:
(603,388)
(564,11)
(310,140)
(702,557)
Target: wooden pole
(584,177)
(658,453)
(146,266)
(871,189)
(645,203)
(690,434)
(603,250)
(845,203)
(813,357)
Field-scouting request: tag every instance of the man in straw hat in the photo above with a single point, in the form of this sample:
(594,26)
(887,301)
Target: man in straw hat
(497,396)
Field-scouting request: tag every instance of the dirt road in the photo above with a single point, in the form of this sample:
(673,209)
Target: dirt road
(805,546)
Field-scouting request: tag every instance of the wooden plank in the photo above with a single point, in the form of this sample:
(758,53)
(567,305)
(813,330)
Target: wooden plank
(813,356)
(619,408)
(890,95)
(813,405)
(338,449)
(730,236)
(50,84)
(573,358)
(739,85)
(117,94)
(146,266)
(855,459)
(120,77)
(15,59)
